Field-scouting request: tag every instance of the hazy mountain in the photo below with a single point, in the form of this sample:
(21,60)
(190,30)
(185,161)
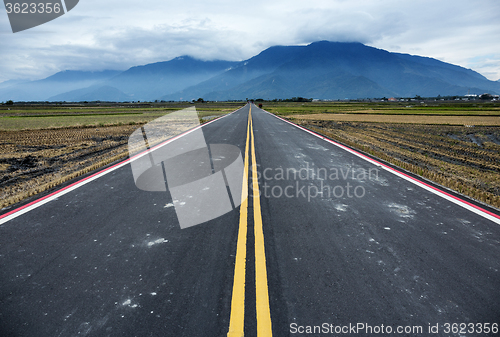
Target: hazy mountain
(151,81)
(11,83)
(72,76)
(330,85)
(325,70)
(93,93)
(58,83)
(331,70)
(264,63)
(147,82)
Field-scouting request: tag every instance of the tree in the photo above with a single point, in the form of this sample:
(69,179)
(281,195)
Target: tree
(9,102)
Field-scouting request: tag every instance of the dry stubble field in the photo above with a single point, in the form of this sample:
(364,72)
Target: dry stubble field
(43,146)
(36,156)
(32,161)
(463,158)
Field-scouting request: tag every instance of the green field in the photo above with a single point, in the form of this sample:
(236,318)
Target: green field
(439,108)
(47,116)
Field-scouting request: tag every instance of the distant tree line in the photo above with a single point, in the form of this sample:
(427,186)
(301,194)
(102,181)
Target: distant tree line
(293,99)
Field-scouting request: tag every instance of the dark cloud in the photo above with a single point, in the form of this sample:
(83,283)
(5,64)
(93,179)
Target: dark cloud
(114,34)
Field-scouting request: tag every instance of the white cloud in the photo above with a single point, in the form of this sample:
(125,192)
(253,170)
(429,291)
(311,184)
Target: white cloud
(114,34)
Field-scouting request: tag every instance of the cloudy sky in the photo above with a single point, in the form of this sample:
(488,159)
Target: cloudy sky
(118,34)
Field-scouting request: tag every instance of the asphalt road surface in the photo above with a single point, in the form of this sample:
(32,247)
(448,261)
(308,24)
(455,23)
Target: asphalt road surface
(335,244)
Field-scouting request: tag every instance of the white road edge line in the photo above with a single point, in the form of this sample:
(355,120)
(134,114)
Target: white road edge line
(37,203)
(440,193)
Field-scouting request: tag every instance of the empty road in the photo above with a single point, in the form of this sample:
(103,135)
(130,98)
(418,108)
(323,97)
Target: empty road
(334,244)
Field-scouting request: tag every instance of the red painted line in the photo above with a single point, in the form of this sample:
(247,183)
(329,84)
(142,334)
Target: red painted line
(61,190)
(107,169)
(390,168)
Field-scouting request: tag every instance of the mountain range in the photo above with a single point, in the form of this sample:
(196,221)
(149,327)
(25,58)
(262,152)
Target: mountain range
(322,70)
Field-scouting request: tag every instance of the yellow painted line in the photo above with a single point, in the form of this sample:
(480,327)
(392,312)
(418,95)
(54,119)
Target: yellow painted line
(264,327)
(237,319)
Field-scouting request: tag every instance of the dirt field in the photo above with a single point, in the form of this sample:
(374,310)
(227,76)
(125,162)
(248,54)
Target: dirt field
(50,116)
(465,159)
(461,151)
(407,119)
(35,160)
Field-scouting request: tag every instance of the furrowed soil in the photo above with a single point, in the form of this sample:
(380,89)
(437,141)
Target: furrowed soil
(32,161)
(463,158)
(44,145)
(406,119)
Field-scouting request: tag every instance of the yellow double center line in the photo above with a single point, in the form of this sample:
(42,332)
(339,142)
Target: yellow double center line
(237,320)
